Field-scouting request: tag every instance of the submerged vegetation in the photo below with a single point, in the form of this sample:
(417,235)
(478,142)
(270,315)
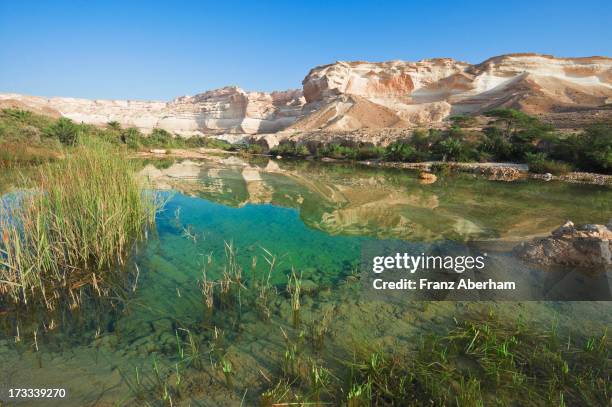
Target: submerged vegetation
(77,220)
(480,359)
(483,360)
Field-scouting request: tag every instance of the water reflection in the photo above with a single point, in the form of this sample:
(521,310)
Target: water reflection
(342,199)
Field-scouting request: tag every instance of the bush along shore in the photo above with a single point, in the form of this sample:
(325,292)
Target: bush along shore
(509,137)
(71,223)
(510,146)
(28,138)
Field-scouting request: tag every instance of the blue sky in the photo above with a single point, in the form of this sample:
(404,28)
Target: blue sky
(159,50)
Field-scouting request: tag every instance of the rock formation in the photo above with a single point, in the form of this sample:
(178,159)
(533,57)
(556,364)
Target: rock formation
(229,109)
(584,246)
(349,96)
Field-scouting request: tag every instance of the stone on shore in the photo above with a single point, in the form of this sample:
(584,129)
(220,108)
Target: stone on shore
(585,246)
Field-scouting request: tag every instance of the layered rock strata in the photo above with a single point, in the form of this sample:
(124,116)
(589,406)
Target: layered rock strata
(350,96)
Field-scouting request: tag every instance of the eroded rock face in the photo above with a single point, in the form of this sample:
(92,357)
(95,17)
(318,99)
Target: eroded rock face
(229,109)
(585,246)
(350,96)
(358,94)
(394,79)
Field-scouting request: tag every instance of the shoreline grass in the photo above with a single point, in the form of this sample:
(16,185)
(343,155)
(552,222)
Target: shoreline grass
(79,221)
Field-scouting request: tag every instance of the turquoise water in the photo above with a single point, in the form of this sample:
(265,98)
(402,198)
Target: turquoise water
(251,229)
(313,218)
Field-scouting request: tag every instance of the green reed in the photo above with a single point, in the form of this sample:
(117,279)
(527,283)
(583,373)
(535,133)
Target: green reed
(226,367)
(265,289)
(79,221)
(294,288)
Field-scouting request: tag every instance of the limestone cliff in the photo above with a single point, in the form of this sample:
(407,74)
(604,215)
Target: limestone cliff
(350,95)
(229,109)
(347,96)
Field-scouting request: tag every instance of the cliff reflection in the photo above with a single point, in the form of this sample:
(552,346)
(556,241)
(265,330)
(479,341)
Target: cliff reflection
(343,199)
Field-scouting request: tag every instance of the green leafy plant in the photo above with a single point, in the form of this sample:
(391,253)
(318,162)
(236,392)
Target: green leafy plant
(65,130)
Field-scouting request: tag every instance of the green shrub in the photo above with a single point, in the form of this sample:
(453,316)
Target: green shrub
(132,138)
(290,148)
(114,125)
(463,121)
(597,148)
(370,152)
(65,131)
(338,151)
(402,151)
(18,114)
(540,164)
(451,149)
(441,168)
(254,149)
(205,142)
(158,138)
(14,121)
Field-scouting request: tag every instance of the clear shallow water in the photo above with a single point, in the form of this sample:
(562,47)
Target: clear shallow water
(314,218)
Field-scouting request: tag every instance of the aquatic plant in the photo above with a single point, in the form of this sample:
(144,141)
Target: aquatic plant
(359,395)
(208,292)
(265,290)
(188,349)
(293,355)
(483,360)
(162,385)
(294,287)
(226,366)
(79,222)
(485,356)
(279,393)
(318,330)
(216,346)
(320,379)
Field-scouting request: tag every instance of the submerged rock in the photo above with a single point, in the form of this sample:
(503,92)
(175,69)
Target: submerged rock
(427,177)
(588,246)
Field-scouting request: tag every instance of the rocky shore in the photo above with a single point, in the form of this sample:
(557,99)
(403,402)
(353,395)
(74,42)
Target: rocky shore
(493,171)
(498,171)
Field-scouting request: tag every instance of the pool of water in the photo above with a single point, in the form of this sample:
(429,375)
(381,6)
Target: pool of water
(312,219)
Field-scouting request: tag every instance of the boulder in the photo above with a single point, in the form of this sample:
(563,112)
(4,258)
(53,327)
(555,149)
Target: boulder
(427,177)
(585,246)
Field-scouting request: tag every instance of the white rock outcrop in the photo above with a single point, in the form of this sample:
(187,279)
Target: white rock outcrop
(347,96)
(229,109)
(400,94)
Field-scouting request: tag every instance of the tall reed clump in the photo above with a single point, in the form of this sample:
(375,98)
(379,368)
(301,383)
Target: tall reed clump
(78,223)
